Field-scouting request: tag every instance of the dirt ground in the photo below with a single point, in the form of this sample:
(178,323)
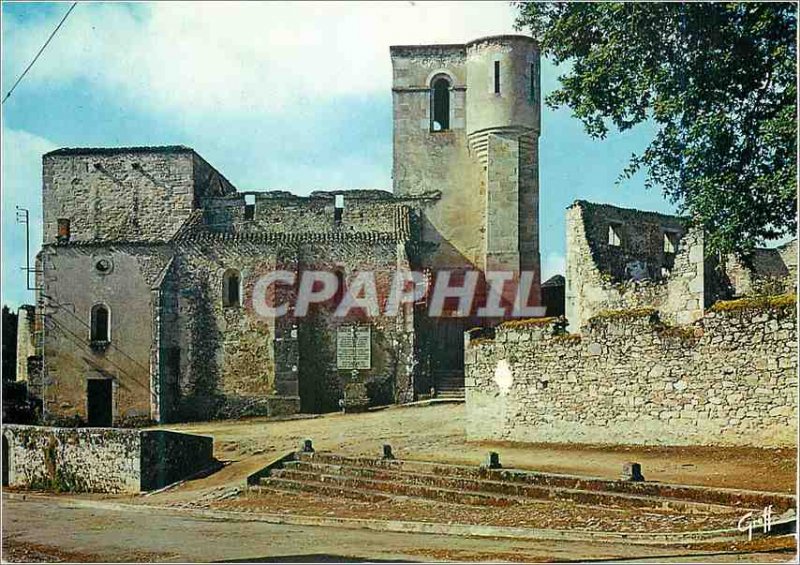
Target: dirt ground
(60,529)
(37,530)
(436,433)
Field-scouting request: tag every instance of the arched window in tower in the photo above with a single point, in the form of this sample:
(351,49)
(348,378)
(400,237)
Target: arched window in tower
(100,324)
(440,103)
(231,285)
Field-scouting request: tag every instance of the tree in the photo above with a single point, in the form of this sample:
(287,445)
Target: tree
(719,83)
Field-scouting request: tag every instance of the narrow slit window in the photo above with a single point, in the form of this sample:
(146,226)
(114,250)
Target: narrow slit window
(249,206)
(338,209)
(341,288)
(100,324)
(533,83)
(231,288)
(497,77)
(440,104)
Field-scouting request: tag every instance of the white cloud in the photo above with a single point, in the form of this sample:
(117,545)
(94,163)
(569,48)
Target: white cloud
(239,57)
(22,181)
(553,264)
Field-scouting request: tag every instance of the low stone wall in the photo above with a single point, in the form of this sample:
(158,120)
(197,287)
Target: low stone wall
(168,457)
(730,378)
(100,459)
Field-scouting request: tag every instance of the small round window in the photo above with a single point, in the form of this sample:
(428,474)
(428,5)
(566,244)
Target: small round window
(103,266)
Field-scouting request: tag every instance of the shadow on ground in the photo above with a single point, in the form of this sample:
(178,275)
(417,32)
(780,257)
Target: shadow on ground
(311,558)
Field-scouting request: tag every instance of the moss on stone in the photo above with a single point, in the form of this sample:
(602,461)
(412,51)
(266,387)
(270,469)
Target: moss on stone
(623,314)
(776,302)
(527,322)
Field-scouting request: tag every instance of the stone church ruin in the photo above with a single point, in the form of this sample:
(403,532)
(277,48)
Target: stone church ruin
(151,260)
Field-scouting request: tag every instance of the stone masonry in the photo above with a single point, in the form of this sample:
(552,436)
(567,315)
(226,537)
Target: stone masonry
(729,378)
(101,459)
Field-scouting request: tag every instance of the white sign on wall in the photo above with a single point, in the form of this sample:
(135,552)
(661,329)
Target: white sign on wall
(353,345)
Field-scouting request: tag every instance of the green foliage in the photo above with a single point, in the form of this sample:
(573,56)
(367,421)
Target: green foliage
(718,82)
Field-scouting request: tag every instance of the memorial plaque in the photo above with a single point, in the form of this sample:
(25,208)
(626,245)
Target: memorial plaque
(353,347)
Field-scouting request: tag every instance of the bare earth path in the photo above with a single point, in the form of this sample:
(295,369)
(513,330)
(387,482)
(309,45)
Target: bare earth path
(59,529)
(436,433)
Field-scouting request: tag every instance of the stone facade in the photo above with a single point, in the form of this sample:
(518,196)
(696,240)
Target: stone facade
(729,378)
(177,352)
(476,173)
(100,459)
(149,236)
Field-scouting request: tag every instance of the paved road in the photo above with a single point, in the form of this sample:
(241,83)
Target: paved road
(96,533)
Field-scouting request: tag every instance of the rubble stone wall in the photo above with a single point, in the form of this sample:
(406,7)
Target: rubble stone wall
(137,194)
(638,272)
(73,459)
(730,378)
(101,459)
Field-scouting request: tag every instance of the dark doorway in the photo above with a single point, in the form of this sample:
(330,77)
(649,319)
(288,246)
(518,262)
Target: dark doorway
(447,352)
(5,461)
(99,392)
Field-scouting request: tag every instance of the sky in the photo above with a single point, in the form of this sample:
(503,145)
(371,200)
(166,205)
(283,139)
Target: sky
(291,96)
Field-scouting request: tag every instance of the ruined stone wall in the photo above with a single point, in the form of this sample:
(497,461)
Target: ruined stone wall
(103,460)
(233,362)
(226,363)
(637,272)
(134,194)
(772,270)
(73,284)
(730,378)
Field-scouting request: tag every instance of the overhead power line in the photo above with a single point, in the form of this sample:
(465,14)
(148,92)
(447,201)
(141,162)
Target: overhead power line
(46,43)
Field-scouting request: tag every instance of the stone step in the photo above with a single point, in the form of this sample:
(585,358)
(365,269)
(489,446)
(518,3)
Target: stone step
(515,491)
(273,484)
(341,483)
(687,493)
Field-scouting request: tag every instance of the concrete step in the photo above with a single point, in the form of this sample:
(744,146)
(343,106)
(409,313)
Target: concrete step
(515,491)
(738,499)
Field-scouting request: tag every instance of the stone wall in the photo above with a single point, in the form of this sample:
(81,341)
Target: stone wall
(765,271)
(168,457)
(428,161)
(124,194)
(26,339)
(730,378)
(636,270)
(73,285)
(78,460)
(101,459)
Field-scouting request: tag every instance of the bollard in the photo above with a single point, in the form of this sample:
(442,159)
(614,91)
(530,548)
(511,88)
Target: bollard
(632,472)
(387,451)
(493,461)
(308,447)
